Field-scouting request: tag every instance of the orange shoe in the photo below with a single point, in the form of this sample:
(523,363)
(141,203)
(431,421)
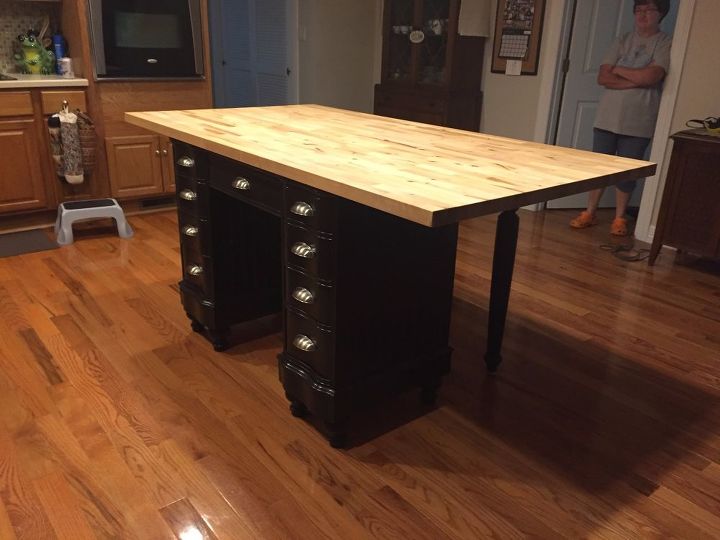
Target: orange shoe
(619,227)
(584,220)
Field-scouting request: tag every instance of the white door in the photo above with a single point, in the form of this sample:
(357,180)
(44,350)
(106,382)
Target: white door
(254,52)
(596,24)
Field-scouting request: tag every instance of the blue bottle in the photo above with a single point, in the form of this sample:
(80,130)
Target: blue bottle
(59,48)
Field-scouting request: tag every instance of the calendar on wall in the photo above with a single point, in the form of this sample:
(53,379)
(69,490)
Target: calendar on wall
(518,28)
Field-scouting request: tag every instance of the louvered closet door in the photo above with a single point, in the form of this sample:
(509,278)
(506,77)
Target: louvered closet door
(250,52)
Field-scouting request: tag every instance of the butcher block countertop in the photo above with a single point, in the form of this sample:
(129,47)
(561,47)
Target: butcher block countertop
(427,174)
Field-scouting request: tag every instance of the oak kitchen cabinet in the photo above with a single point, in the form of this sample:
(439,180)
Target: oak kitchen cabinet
(22,185)
(140,165)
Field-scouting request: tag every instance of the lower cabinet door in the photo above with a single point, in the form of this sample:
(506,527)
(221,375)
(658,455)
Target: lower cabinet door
(21,179)
(135,165)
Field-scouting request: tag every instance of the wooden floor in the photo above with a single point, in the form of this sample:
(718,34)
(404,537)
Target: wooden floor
(116,421)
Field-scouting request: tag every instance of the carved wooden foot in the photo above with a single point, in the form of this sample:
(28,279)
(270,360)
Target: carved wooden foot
(196,326)
(297,409)
(219,339)
(336,434)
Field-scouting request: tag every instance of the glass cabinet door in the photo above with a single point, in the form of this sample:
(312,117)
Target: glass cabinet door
(431,68)
(400,51)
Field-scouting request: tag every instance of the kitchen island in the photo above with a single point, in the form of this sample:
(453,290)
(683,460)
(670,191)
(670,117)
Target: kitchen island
(347,224)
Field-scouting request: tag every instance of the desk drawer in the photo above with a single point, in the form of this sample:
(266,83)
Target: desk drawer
(194,230)
(52,100)
(197,270)
(310,208)
(310,252)
(309,296)
(192,196)
(311,343)
(190,161)
(246,183)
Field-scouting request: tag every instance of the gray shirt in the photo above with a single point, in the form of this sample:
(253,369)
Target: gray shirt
(634,111)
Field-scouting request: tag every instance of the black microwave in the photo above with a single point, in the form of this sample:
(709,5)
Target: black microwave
(141,39)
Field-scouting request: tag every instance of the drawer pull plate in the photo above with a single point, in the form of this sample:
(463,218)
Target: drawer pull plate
(190,230)
(301,294)
(241,183)
(186,162)
(301,208)
(194,270)
(188,195)
(304,343)
(301,249)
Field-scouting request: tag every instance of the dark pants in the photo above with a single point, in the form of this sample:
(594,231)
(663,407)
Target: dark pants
(607,142)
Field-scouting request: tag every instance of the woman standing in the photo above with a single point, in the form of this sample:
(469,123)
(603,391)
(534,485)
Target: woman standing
(632,72)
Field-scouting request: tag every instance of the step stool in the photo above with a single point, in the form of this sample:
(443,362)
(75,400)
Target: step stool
(70,212)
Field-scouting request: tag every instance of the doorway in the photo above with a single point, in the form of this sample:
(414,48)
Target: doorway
(592,26)
(254,50)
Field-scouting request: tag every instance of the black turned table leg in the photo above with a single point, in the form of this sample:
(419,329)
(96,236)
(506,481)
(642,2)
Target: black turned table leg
(503,262)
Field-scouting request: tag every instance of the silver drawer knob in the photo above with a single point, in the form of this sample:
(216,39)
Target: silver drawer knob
(186,162)
(301,294)
(304,343)
(194,270)
(303,209)
(190,230)
(188,195)
(301,249)
(241,183)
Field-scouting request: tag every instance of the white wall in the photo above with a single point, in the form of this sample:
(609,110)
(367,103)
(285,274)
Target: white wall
(338,52)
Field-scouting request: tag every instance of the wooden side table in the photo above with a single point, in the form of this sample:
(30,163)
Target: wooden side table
(689,218)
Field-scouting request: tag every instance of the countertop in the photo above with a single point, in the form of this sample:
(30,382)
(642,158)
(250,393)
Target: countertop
(427,174)
(40,81)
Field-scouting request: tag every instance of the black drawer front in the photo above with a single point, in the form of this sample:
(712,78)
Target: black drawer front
(310,343)
(198,272)
(190,161)
(194,230)
(197,306)
(310,208)
(310,252)
(311,297)
(246,183)
(192,196)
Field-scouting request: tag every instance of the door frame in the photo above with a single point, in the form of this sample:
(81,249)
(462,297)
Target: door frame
(551,88)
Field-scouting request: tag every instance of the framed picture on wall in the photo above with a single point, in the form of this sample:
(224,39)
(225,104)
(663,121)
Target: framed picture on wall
(518,32)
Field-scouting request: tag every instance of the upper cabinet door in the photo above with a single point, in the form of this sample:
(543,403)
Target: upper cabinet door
(401,19)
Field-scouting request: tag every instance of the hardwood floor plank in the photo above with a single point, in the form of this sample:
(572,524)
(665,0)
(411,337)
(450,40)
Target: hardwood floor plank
(62,508)
(6,528)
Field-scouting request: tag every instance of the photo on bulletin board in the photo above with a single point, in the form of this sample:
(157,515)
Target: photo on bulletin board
(518,32)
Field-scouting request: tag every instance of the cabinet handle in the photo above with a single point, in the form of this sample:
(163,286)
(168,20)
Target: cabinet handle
(188,195)
(301,249)
(304,343)
(190,230)
(301,294)
(301,208)
(241,183)
(186,162)
(164,152)
(157,152)
(194,270)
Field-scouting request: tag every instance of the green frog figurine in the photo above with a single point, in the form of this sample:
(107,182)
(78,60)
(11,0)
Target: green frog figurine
(33,57)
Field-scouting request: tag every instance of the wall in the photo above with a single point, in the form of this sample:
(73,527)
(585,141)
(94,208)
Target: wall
(338,42)
(16,18)
(700,83)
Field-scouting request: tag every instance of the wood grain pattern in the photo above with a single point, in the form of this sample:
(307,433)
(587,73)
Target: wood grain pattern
(117,421)
(15,104)
(427,174)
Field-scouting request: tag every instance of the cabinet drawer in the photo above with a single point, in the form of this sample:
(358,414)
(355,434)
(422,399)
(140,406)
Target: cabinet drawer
(310,296)
(310,208)
(196,305)
(15,104)
(310,252)
(197,271)
(310,343)
(194,230)
(192,196)
(52,100)
(246,183)
(190,161)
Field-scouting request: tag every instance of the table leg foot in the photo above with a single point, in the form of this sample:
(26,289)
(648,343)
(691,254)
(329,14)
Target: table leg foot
(297,409)
(492,362)
(196,325)
(219,339)
(336,434)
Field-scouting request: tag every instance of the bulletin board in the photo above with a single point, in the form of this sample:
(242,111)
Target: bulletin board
(518,32)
